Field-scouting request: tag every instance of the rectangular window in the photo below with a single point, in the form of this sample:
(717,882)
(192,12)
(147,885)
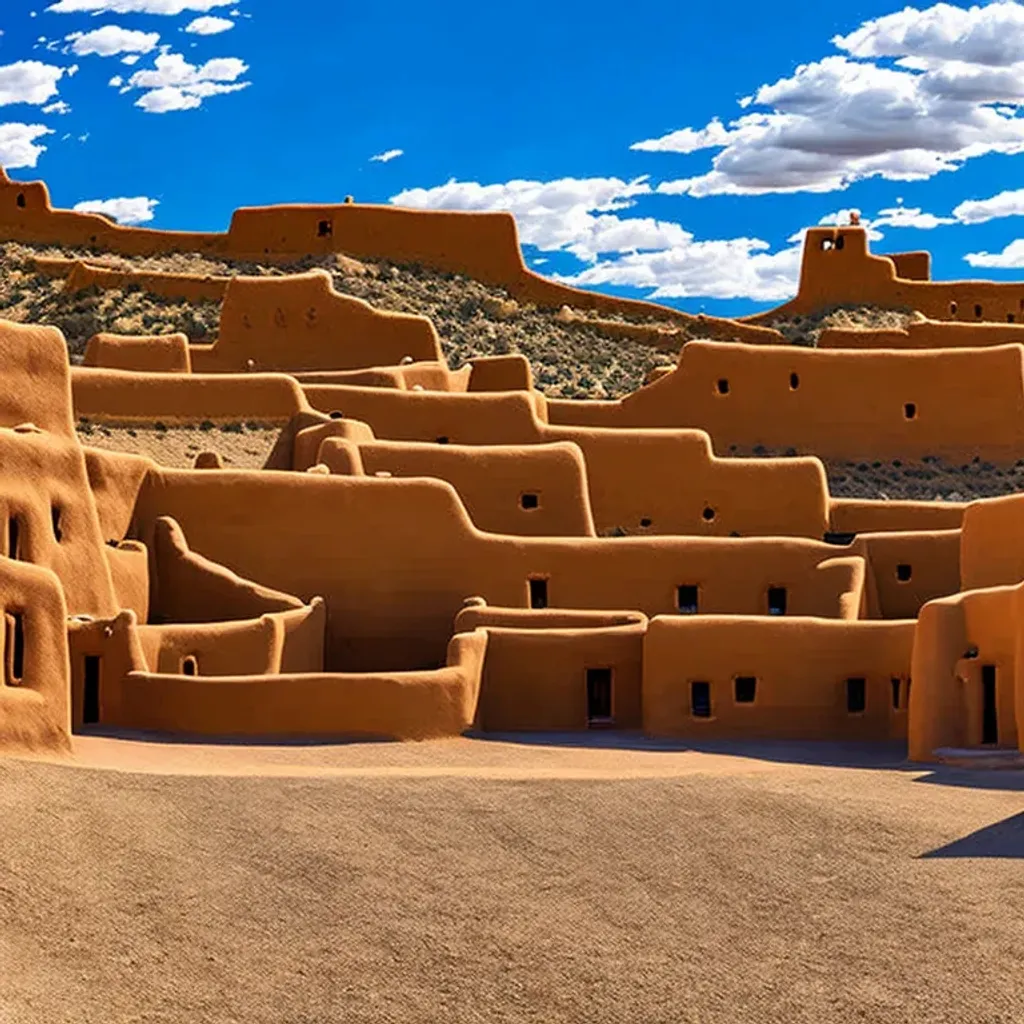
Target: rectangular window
(538,593)
(776,600)
(856,695)
(896,693)
(687,597)
(746,689)
(700,700)
(599,696)
(14,538)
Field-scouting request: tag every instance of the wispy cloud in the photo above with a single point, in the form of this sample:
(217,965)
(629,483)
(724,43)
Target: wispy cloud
(209,26)
(387,156)
(134,6)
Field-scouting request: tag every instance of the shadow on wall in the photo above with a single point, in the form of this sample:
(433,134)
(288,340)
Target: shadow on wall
(1003,839)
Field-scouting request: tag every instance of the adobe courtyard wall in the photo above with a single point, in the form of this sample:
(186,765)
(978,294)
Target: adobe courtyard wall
(927,334)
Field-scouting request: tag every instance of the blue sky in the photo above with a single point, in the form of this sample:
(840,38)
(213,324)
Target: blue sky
(675,152)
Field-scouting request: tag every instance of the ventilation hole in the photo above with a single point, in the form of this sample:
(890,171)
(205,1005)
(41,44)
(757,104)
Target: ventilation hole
(189,665)
(777,599)
(722,387)
(599,696)
(952,309)
(91,693)
(324,229)
(55,517)
(856,695)
(14,537)
(910,411)
(529,501)
(977,312)
(21,200)
(746,689)
(904,572)
(442,440)
(700,699)
(826,244)
(645,523)
(14,662)
(708,514)
(895,694)
(687,598)
(538,593)
(971,653)
(794,381)
(840,241)
(335,414)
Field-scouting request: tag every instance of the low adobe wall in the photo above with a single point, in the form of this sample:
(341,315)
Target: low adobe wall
(992,543)
(35,712)
(387,705)
(630,489)
(838,269)
(799,668)
(926,334)
(80,275)
(130,397)
(834,404)
(960,640)
(856,515)
(161,353)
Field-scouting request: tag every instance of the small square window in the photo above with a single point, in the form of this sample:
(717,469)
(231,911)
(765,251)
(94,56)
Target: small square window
(538,593)
(746,689)
(687,597)
(904,572)
(529,501)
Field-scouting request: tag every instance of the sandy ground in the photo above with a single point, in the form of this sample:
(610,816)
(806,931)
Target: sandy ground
(551,879)
(240,446)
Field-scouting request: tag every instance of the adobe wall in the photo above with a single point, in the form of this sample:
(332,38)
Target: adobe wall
(838,269)
(532,490)
(34,695)
(926,334)
(130,397)
(385,705)
(856,515)
(80,275)
(992,543)
(164,353)
(394,560)
(835,404)
(626,469)
(801,668)
(956,638)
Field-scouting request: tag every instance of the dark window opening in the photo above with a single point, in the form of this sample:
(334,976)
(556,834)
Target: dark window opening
(909,411)
(896,693)
(840,241)
(538,592)
(722,387)
(989,713)
(91,694)
(14,537)
(777,600)
(1010,318)
(21,200)
(826,244)
(55,515)
(708,514)
(952,309)
(794,381)
(746,689)
(856,695)
(904,572)
(15,648)
(645,522)
(324,229)
(189,665)
(599,696)
(529,501)
(840,538)
(700,700)
(977,312)
(336,414)
(687,596)
(442,440)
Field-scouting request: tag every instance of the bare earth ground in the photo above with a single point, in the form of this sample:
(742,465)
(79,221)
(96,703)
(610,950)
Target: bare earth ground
(240,445)
(494,880)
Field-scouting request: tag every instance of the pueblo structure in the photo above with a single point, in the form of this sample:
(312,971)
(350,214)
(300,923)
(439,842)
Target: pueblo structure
(428,551)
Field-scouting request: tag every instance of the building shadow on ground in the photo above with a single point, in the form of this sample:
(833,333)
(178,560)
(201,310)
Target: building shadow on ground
(1003,839)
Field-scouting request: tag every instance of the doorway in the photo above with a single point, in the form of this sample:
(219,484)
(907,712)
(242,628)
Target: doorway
(91,691)
(989,712)
(599,697)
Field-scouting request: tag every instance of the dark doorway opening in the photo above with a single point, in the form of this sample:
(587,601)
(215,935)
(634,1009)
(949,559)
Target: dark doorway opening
(91,691)
(15,643)
(989,713)
(14,538)
(856,695)
(700,700)
(896,693)
(599,696)
(538,593)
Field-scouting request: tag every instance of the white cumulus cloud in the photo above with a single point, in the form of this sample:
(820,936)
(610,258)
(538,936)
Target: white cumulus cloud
(29,81)
(1011,257)
(174,84)
(59,107)
(978,211)
(137,210)
(134,6)
(955,93)
(209,26)
(112,40)
(19,146)
(388,155)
